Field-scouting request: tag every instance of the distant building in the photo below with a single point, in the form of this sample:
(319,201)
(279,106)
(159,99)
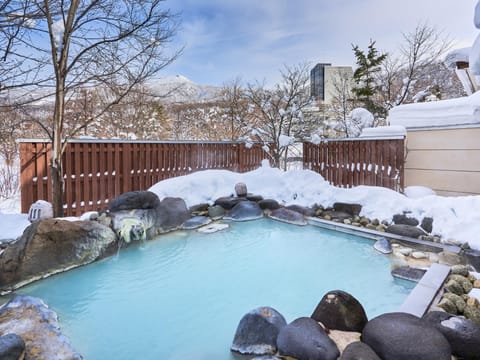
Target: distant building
(323,78)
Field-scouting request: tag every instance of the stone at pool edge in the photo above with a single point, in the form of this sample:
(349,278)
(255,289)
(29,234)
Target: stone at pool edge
(359,351)
(257,332)
(462,334)
(12,347)
(305,211)
(196,222)
(351,209)
(228,202)
(403,336)
(339,310)
(245,211)
(405,230)
(288,216)
(38,326)
(383,246)
(305,339)
(402,219)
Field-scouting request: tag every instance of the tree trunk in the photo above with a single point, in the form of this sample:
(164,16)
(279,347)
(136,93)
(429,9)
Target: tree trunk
(57,152)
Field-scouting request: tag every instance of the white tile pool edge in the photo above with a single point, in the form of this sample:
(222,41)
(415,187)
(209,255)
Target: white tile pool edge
(423,294)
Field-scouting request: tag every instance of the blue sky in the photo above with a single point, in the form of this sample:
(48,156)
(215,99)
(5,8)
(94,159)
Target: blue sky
(253,39)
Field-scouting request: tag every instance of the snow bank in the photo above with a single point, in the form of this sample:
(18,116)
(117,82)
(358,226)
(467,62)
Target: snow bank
(461,111)
(455,217)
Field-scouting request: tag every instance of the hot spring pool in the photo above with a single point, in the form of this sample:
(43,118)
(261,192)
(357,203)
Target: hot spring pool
(182,295)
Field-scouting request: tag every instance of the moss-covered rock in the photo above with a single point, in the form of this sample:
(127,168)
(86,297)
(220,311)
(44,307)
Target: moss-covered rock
(457,300)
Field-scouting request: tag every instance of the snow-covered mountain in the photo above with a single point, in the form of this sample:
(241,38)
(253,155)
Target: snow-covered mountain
(179,89)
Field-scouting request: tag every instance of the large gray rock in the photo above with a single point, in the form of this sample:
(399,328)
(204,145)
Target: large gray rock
(402,219)
(462,334)
(402,336)
(257,332)
(305,339)
(38,326)
(50,246)
(359,351)
(245,211)
(405,230)
(12,347)
(288,216)
(171,214)
(338,310)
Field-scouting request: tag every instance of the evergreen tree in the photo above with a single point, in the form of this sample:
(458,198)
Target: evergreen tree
(368,65)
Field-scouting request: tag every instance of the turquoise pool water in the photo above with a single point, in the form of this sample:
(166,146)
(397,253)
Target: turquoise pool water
(182,295)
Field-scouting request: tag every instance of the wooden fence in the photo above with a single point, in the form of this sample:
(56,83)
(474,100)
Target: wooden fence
(95,172)
(360,161)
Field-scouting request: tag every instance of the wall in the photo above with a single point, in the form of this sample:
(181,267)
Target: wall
(444,159)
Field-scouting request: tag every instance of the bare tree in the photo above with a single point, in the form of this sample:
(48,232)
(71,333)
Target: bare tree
(235,106)
(422,49)
(61,46)
(343,100)
(278,112)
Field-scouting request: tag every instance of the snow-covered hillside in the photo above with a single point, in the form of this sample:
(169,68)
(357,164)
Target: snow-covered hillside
(179,89)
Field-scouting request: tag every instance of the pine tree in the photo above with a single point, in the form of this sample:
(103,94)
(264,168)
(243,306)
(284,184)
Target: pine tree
(368,65)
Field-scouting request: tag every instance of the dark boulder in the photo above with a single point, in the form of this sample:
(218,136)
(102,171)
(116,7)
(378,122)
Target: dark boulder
(473,258)
(241,189)
(338,310)
(402,336)
(427,224)
(12,347)
(50,246)
(305,339)
(245,211)
(462,334)
(38,326)
(134,200)
(302,210)
(257,332)
(269,204)
(351,209)
(402,219)
(405,230)
(228,202)
(288,216)
(359,351)
(336,215)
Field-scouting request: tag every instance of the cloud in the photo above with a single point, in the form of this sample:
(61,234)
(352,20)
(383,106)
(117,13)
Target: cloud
(255,38)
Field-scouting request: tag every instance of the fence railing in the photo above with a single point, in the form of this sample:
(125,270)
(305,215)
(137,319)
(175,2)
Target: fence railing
(96,171)
(360,161)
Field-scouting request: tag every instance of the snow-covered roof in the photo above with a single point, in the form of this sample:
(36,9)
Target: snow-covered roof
(444,113)
(457,55)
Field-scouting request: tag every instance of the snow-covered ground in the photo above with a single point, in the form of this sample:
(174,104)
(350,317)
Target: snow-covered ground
(454,217)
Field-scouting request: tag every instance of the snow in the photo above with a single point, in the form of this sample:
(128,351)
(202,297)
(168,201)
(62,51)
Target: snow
(360,118)
(316,139)
(457,55)
(284,140)
(451,112)
(454,217)
(416,192)
(384,131)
